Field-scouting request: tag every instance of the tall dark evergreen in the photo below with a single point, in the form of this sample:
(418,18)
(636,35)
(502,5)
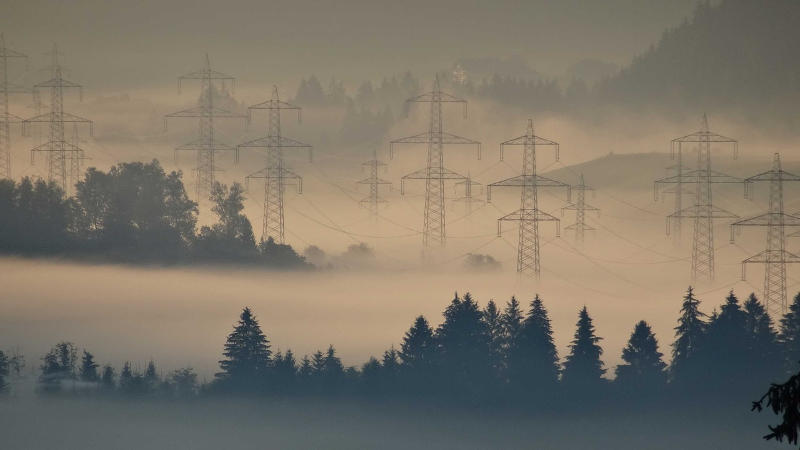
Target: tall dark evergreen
(689,336)
(247,353)
(790,336)
(643,370)
(463,343)
(418,355)
(59,365)
(108,378)
(724,352)
(495,331)
(4,371)
(583,367)
(88,371)
(533,359)
(511,321)
(763,353)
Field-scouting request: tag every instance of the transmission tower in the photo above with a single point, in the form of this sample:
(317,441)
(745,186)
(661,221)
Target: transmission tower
(580,207)
(435,172)
(775,257)
(468,184)
(6,118)
(206,145)
(276,175)
(60,153)
(703,212)
(528,215)
(374,182)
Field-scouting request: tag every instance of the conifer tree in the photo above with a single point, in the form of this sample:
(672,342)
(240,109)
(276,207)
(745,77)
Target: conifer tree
(464,345)
(643,368)
(58,365)
(511,319)
(108,378)
(126,378)
(247,353)
(583,366)
(790,336)
(88,371)
(4,370)
(763,354)
(495,331)
(689,336)
(725,348)
(417,351)
(285,369)
(150,376)
(306,370)
(533,358)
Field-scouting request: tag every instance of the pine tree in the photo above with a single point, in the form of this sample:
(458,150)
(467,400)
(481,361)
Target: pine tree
(494,329)
(464,345)
(88,371)
(151,378)
(725,349)
(763,353)
(643,368)
(689,336)
(285,370)
(126,378)
(583,366)
(533,358)
(108,378)
(247,353)
(58,365)
(790,336)
(511,320)
(417,351)
(4,370)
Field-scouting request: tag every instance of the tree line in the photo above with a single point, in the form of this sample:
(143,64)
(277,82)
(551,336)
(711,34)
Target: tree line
(134,212)
(491,355)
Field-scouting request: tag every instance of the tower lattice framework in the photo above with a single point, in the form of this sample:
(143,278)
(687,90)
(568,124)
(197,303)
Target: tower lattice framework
(580,207)
(374,182)
(207,145)
(468,184)
(435,173)
(703,212)
(775,257)
(6,118)
(528,215)
(60,153)
(276,175)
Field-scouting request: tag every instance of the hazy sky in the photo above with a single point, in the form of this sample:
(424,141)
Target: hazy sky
(113,44)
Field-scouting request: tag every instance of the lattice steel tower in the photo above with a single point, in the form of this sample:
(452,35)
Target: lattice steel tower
(276,175)
(435,173)
(60,153)
(775,257)
(468,199)
(580,207)
(374,182)
(206,145)
(703,212)
(6,118)
(528,215)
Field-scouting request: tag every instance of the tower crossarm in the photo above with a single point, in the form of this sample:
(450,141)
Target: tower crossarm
(694,211)
(527,215)
(523,140)
(574,207)
(428,138)
(373,181)
(527,180)
(285,176)
(201,111)
(278,142)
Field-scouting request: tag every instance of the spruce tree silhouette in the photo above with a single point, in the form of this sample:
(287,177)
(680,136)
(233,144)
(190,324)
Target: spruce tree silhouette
(725,348)
(783,399)
(763,353)
(511,321)
(58,365)
(284,371)
(4,371)
(533,358)
(495,331)
(643,372)
(108,378)
(790,336)
(88,372)
(151,378)
(463,344)
(418,356)
(247,355)
(583,367)
(689,336)
(390,371)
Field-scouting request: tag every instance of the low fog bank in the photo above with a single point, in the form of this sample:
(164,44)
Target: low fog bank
(213,425)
